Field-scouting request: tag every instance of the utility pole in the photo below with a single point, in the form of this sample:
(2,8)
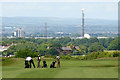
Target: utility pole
(45,30)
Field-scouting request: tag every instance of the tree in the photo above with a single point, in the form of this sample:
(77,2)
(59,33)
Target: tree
(92,40)
(56,45)
(53,51)
(114,45)
(83,49)
(4,53)
(102,42)
(63,41)
(78,42)
(4,43)
(71,46)
(107,42)
(21,46)
(24,53)
(95,47)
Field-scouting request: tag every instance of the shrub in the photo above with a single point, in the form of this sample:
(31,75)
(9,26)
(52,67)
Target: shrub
(116,54)
(108,54)
(67,57)
(24,53)
(47,56)
(52,51)
(103,54)
(77,57)
(82,58)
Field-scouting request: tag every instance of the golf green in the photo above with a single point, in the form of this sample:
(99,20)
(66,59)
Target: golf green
(107,68)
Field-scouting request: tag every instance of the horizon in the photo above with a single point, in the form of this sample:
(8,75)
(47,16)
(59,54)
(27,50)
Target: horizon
(60,18)
(93,10)
(53,17)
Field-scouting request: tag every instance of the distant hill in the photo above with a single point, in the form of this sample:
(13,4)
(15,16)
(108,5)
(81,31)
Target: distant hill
(60,24)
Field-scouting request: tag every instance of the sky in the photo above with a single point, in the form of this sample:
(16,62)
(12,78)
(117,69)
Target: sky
(59,0)
(93,10)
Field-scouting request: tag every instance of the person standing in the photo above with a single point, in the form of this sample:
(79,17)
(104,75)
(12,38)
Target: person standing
(39,59)
(58,61)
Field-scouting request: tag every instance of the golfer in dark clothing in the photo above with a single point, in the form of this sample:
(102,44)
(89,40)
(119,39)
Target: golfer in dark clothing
(53,65)
(26,64)
(39,59)
(44,64)
(31,61)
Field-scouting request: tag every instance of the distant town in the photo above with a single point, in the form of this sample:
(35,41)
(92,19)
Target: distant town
(20,33)
(50,28)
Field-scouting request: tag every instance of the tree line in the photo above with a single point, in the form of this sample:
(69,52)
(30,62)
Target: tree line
(33,47)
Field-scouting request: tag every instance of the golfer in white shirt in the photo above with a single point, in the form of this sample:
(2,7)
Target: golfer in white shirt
(30,60)
(58,61)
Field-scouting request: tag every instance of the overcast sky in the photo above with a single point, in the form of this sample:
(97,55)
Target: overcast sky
(94,10)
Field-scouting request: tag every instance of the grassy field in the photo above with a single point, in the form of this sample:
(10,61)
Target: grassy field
(102,68)
(111,51)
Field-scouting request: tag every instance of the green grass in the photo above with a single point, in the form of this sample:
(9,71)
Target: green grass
(107,68)
(111,51)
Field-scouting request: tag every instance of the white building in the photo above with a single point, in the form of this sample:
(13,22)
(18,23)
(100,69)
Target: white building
(3,48)
(87,36)
(19,33)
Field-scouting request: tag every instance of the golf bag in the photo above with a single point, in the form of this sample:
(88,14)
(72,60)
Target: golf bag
(53,65)
(26,64)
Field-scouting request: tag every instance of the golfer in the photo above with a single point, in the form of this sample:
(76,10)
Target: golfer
(39,59)
(58,61)
(30,60)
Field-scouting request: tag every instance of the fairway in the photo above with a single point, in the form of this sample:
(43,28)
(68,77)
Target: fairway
(108,68)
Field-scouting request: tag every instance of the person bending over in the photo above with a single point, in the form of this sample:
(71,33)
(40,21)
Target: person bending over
(44,64)
(30,61)
(26,64)
(53,65)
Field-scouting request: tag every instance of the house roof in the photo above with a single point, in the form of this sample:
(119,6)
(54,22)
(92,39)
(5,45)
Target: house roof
(76,47)
(68,48)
